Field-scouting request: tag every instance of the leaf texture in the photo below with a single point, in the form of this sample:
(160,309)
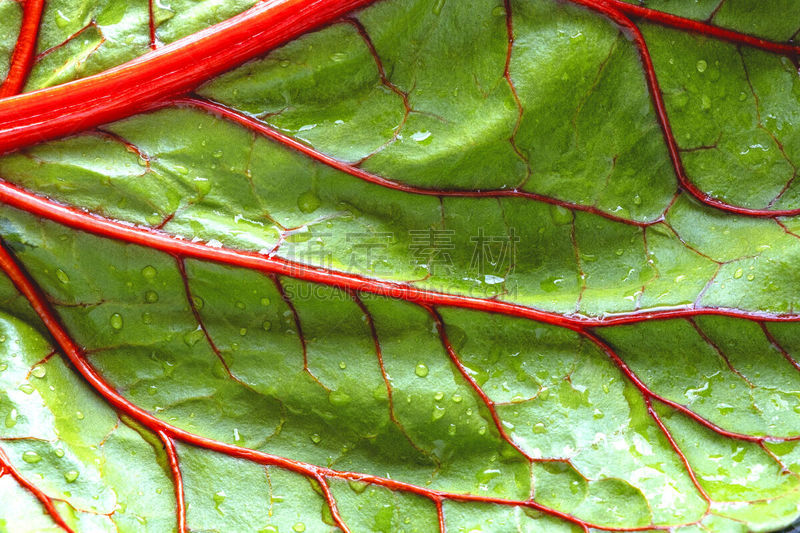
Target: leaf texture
(402,265)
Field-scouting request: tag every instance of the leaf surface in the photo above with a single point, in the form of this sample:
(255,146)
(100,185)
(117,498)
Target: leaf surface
(522,265)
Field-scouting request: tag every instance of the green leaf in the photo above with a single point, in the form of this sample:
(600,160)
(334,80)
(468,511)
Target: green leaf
(435,265)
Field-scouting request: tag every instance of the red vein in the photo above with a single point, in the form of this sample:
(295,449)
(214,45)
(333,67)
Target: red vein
(44,499)
(25,49)
(647,393)
(513,88)
(151,23)
(173,69)
(177,480)
(158,240)
(74,353)
(440,514)
(484,398)
(257,126)
(615,14)
(331,501)
(681,456)
(200,323)
(775,344)
(703,28)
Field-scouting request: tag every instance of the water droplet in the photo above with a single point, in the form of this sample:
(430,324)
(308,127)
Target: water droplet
(637,200)
(308,202)
(268,529)
(451,429)
(218,498)
(27,388)
(421,370)
(191,338)
(705,102)
(456,398)
(338,56)
(357,486)
(151,297)
(738,273)
(499,11)
(59,452)
(147,318)
(598,414)
(422,137)
(284,63)
(560,215)
(62,276)
(31,457)
(342,365)
(338,398)
(11,418)
(315,438)
(61,20)
(539,428)
(438,412)
(3,367)
(71,476)
(266,325)
(198,302)
(243,332)
(39,371)
(265,301)
(240,305)
(438,396)
(299,527)
(751,277)
(149,272)
(702,65)
(116,321)
(482,430)
(79,415)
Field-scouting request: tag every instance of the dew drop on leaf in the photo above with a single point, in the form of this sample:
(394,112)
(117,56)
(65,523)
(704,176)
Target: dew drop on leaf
(149,272)
(315,438)
(31,457)
(198,302)
(11,418)
(421,370)
(702,65)
(738,273)
(438,412)
(299,527)
(191,338)
(71,476)
(151,297)
(38,371)
(357,486)
(308,202)
(539,428)
(266,325)
(62,276)
(265,301)
(456,398)
(27,388)
(338,398)
(342,365)
(438,396)
(116,321)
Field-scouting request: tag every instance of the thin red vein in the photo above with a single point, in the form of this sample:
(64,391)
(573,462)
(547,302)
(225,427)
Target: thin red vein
(199,319)
(263,129)
(158,240)
(151,23)
(331,502)
(439,514)
(170,70)
(614,14)
(25,49)
(44,499)
(775,344)
(647,393)
(703,28)
(513,88)
(484,398)
(177,480)
(681,456)
(74,353)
